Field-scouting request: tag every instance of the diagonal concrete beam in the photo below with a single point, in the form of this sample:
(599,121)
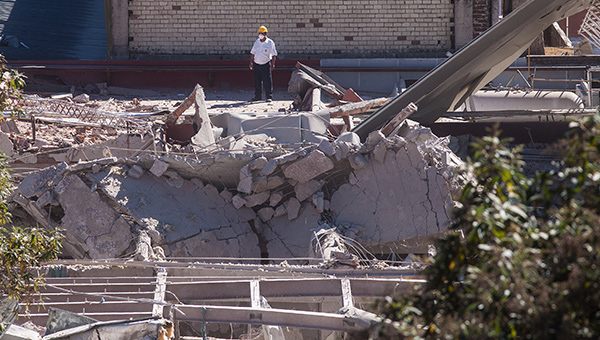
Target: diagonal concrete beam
(475,65)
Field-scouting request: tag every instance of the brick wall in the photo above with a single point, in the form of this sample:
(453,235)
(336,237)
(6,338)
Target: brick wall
(299,28)
(481,16)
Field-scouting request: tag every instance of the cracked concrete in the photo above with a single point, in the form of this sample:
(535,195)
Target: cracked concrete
(240,205)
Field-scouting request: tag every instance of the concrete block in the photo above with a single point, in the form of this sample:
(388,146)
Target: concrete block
(280,211)
(305,190)
(275,198)
(256,199)
(374,138)
(379,152)
(266,214)
(357,161)
(266,183)
(309,167)
(245,183)
(135,171)
(293,208)
(238,201)
(327,147)
(349,137)
(227,195)
(6,146)
(259,163)
(270,167)
(101,232)
(159,167)
(318,201)
(342,150)
(37,183)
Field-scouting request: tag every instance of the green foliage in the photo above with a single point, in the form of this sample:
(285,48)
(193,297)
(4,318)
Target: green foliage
(524,260)
(20,248)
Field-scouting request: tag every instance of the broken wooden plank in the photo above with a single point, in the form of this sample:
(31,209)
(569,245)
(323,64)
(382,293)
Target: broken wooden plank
(186,104)
(400,117)
(356,108)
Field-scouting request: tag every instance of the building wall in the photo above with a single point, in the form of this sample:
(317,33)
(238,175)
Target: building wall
(371,28)
(481,16)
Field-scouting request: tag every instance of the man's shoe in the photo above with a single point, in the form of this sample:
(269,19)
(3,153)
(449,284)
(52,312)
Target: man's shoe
(254,99)
(269,100)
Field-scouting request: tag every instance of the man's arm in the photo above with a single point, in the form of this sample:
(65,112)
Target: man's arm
(251,61)
(273,58)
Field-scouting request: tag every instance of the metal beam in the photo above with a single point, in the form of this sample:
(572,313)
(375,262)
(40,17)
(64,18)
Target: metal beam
(214,290)
(269,316)
(475,65)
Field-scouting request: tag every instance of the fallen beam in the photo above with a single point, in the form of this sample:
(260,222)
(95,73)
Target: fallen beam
(270,316)
(355,108)
(447,86)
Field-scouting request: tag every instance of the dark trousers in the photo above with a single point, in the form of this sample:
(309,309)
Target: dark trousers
(262,79)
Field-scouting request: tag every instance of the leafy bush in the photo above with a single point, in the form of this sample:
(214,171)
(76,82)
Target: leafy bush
(20,248)
(523,260)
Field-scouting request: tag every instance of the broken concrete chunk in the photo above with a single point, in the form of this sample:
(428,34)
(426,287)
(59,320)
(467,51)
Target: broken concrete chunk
(374,138)
(6,146)
(45,199)
(245,183)
(266,183)
(259,163)
(280,211)
(349,137)
(159,167)
(342,150)
(135,171)
(36,183)
(100,231)
(326,147)
(143,248)
(292,156)
(305,190)
(379,152)
(238,201)
(275,199)
(82,98)
(318,200)
(174,179)
(227,195)
(293,208)
(256,199)
(357,161)
(266,213)
(309,167)
(270,167)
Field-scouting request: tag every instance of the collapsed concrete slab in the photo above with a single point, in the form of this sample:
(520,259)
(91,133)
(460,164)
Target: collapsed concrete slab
(253,205)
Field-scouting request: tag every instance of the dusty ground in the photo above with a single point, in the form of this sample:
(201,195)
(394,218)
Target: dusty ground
(217,101)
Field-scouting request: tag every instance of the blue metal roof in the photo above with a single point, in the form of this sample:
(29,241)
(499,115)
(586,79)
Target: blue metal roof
(53,29)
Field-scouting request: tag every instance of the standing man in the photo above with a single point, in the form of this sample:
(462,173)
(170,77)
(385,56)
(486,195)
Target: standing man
(262,61)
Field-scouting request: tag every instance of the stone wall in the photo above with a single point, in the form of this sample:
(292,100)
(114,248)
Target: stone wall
(372,28)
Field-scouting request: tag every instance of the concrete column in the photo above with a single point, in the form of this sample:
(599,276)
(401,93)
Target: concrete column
(463,22)
(117,28)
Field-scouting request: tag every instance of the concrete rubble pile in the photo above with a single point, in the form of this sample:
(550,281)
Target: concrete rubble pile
(250,204)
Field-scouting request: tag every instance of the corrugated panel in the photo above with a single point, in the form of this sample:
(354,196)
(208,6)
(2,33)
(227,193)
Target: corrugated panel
(53,30)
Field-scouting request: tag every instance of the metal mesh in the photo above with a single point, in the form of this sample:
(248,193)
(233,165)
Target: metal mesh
(62,108)
(590,27)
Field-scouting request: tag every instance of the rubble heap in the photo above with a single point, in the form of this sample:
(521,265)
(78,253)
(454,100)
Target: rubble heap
(228,204)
